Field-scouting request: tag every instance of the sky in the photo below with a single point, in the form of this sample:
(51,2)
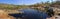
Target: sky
(20,2)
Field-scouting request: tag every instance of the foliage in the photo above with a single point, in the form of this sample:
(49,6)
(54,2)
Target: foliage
(11,6)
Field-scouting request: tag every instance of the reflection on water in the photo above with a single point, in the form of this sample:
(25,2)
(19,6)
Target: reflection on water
(31,14)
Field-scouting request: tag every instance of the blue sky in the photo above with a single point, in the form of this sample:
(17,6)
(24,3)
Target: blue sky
(20,2)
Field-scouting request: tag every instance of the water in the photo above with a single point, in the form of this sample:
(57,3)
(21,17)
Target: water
(33,14)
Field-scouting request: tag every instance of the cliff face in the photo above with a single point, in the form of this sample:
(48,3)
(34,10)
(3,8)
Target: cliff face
(56,11)
(4,15)
(12,11)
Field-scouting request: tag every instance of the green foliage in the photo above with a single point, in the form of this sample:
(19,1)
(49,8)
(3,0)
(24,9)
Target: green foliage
(11,6)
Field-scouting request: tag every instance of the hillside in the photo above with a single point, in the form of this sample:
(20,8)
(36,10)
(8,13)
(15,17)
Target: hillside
(11,6)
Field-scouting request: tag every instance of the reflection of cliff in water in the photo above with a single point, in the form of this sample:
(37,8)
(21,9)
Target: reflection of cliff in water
(37,15)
